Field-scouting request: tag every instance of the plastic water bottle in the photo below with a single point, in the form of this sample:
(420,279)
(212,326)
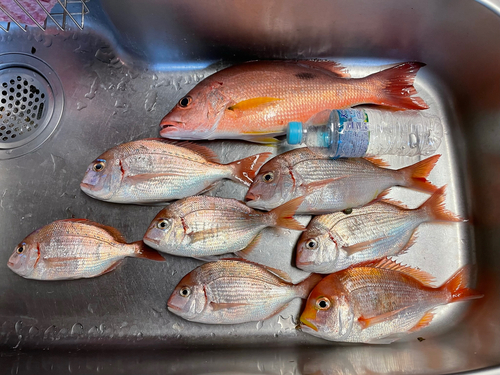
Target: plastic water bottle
(368,132)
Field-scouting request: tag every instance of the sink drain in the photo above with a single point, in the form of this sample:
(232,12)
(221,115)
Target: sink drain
(31,104)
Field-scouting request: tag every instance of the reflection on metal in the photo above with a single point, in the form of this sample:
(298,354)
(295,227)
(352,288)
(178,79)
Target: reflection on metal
(74,9)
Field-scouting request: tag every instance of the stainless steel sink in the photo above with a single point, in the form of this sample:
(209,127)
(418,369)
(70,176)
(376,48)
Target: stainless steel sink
(116,79)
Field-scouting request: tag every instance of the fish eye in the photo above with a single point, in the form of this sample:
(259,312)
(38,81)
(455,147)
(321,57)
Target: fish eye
(163,224)
(323,303)
(99,166)
(268,177)
(185,101)
(21,248)
(185,291)
(312,244)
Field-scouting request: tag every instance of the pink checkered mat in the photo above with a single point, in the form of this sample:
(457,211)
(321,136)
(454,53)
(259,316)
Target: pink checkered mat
(31,7)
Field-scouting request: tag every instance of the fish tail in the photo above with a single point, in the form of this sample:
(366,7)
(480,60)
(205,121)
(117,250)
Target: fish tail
(415,176)
(245,170)
(282,216)
(305,286)
(456,286)
(435,210)
(397,86)
(144,251)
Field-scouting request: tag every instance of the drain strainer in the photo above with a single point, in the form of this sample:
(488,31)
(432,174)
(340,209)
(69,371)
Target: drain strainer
(31,103)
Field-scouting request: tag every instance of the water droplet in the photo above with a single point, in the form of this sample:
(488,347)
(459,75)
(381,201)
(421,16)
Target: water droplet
(155,77)
(120,103)
(90,308)
(413,140)
(139,336)
(77,329)
(48,41)
(18,327)
(33,332)
(102,328)
(39,37)
(49,333)
(93,331)
(178,327)
(150,103)
(80,106)
(105,55)
(122,85)
(259,324)
(212,334)
(93,89)
(62,334)
(74,36)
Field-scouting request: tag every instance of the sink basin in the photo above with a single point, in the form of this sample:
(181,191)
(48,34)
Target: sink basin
(113,81)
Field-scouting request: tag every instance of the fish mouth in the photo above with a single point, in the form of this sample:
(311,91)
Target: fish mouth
(173,309)
(10,264)
(151,242)
(251,197)
(169,125)
(307,323)
(85,186)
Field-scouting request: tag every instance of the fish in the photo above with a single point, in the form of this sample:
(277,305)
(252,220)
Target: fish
(204,226)
(337,241)
(331,185)
(255,101)
(235,291)
(73,249)
(379,302)
(153,171)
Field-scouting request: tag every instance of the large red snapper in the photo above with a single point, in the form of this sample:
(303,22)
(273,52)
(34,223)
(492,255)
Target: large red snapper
(256,100)
(235,291)
(73,249)
(378,303)
(152,171)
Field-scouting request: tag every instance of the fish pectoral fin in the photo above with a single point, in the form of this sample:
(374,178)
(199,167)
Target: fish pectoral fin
(112,267)
(312,186)
(252,103)
(424,322)
(261,139)
(138,178)
(220,306)
(387,340)
(276,272)
(368,322)
(208,188)
(251,246)
(360,246)
(379,197)
(207,258)
(204,234)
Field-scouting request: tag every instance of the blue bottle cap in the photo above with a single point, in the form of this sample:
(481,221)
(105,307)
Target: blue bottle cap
(294,133)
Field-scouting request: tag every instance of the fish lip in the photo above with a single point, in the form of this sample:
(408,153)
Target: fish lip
(147,239)
(10,264)
(167,125)
(84,185)
(173,309)
(307,323)
(251,197)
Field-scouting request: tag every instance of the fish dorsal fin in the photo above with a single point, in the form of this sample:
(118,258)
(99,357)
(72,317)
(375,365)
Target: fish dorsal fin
(252,103)
(377,161)
(389,264)
(202,151)
(276,272)
(113,232)
(395,202)
(331,66)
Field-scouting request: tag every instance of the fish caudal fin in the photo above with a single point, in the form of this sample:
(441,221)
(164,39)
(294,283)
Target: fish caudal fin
(144,251)
(397,86)
(245,170)
(435,210)
(456,286)
(283,215)
(415,176)
(305,286)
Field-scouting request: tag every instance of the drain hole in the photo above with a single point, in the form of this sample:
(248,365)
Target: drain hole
(40,111)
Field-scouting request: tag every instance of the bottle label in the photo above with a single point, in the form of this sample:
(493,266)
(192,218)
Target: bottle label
(353,133)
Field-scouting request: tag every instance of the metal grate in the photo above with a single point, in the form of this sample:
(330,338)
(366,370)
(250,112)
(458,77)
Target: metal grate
(22,105)
(17,11)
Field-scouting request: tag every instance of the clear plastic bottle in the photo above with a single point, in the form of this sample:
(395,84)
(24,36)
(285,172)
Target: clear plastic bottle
(368,132)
